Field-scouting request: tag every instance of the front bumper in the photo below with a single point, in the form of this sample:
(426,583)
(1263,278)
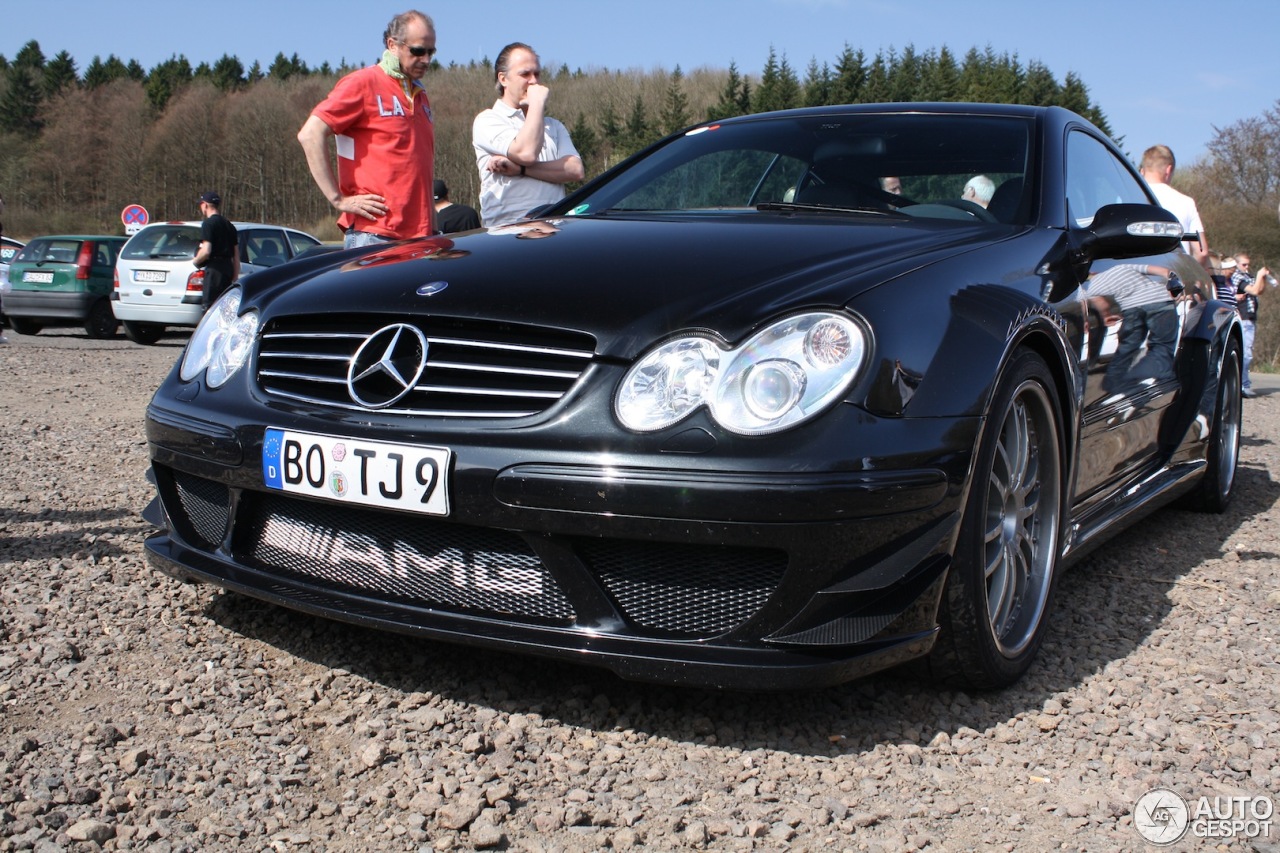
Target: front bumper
(736,573)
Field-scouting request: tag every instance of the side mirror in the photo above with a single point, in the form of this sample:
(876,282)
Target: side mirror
(1129,231)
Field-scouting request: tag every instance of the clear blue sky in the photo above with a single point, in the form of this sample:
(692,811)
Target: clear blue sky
(1165,71)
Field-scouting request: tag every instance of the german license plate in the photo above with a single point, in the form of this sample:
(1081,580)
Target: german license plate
(156,276)
(38,277)
(371,473)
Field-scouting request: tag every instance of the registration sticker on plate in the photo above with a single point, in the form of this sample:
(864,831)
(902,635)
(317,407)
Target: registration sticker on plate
(156,276)
(371,473)
(38,277)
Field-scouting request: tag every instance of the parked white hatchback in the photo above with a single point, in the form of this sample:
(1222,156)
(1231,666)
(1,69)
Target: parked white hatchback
(157,284)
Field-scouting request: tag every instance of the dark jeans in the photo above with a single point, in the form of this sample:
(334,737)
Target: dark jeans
(217,278)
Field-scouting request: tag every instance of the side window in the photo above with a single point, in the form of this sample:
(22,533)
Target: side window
(264,247)
(251,241)
(1096,177)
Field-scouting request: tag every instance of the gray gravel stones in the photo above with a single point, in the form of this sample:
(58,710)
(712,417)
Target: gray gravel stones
(140,714)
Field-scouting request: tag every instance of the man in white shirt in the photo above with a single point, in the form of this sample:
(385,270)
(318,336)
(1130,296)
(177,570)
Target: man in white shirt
(1157,168)
(979,190)
(524,156)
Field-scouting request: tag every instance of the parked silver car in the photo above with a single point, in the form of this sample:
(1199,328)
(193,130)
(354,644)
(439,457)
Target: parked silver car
(157,284)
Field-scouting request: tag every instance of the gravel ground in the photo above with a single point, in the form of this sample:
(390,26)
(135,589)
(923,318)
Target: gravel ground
(139,713)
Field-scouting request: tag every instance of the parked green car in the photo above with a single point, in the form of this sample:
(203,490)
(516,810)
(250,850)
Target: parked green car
(63,279)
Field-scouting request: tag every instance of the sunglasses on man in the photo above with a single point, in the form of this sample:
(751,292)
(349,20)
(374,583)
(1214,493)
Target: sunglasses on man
(421,50)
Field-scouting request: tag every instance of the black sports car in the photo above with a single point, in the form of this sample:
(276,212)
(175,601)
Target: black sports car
(730,415)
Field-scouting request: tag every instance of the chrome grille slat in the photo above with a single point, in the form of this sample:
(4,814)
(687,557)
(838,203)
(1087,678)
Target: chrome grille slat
(302,377)
(305,336)
(508,347)
(496,392)
(411,412)
(449,365)
(307,356)
(474,368)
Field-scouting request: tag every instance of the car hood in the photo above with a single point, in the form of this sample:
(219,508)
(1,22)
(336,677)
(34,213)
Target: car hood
(626,282)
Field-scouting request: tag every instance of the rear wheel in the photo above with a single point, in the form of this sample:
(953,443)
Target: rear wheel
(142,333)
(999,588)
(101,323)
(1216,487)
(24,326)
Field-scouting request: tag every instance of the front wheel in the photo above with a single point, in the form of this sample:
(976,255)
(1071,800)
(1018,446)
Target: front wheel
(993,611)
(1223,453)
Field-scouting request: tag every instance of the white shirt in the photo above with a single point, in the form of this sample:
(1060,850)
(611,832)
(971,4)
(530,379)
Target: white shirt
(1180,205)
(506,199)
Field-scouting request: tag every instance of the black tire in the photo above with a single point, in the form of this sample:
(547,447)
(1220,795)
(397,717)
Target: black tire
(1000,587)
(1223,451)
(25,326)
(101,323)
(142,333)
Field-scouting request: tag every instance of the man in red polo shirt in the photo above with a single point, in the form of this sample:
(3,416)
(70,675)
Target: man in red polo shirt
(381,118)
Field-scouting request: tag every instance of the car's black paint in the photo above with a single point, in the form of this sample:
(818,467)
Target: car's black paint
(692,554)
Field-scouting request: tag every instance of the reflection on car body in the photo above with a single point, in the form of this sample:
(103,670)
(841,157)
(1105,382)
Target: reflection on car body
(747,420)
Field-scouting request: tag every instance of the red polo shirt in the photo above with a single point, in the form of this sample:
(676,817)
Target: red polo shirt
(386,145)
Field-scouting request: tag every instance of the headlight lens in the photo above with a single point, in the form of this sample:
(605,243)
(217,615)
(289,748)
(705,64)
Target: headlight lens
(780,377)
(221,342)
(771,388)
(668,384)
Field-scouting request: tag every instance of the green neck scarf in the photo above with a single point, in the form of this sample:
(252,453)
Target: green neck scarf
(390,63)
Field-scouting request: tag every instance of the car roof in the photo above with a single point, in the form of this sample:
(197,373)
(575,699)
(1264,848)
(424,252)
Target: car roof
(1060,116)
(79,237)
(237,223)
(934,107)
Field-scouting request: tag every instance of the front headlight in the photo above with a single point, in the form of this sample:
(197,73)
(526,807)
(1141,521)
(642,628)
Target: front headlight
(668,384)
(221,342)
(780,377)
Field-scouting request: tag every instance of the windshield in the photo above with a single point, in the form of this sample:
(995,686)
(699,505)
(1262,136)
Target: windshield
(44,250)
(170,242)
(924,165)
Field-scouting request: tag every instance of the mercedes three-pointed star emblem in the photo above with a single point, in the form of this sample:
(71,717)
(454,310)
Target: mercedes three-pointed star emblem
(387,366)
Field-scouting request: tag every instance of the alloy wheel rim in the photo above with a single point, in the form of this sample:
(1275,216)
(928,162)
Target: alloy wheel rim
(1021,520)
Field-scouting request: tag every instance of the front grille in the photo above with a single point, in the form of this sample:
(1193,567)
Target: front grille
(418,561)
(685,589)
(474,368)
(206,507)
(690,591)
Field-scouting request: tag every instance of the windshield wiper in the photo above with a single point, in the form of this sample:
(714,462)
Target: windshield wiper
(792,207)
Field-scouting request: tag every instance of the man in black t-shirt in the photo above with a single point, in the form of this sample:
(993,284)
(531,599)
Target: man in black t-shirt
(452,217)
(219,252)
